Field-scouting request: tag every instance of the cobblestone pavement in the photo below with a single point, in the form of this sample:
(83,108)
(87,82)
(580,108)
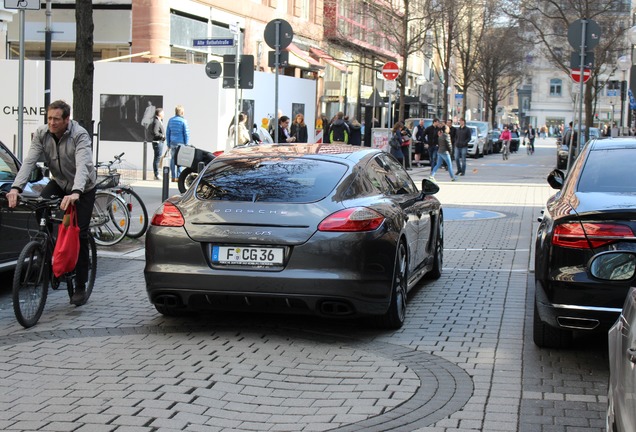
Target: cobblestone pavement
(464,361)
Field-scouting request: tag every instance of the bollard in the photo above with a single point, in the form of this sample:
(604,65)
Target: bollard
(165,188)
(200,167)
(145,163)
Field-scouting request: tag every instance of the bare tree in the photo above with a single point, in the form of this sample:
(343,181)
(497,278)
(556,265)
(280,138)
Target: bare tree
(84,67)
(473,24)
(403,24)
(546,24)
(499,67)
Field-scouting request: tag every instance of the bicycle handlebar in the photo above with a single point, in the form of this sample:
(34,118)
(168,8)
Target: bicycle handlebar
(116,159)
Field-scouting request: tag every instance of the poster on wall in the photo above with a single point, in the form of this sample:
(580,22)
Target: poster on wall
(297,108)
(127,117)
(248,108)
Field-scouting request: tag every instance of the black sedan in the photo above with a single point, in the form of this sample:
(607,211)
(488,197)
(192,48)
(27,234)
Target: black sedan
(594,211)
(14,223)
(331,230)
(493,143)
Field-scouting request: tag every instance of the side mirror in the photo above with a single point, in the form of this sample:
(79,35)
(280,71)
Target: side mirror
(36,175)
(556,179)
(429,187)
(613,265)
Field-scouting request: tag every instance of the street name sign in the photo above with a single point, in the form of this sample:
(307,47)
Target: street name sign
(216,42)
(22,4)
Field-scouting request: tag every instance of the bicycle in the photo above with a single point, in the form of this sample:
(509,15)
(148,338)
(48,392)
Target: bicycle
(110,219)
(505,152)
(34,270)
(529,148)
(138,214)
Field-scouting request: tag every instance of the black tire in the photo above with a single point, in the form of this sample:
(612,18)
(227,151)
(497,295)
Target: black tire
(546,336)
(110,219)
(30,284)
(396,314)
(92,267)
(186,178)
(137,211)
(438,255)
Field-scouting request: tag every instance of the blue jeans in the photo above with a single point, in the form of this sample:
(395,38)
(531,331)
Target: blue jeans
(432,155)
(460,158)
(174,169)
(441,158)
(157,148)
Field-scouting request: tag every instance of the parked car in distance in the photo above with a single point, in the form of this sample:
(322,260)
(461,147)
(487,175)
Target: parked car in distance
(331,230)
(14,223)
(594,211)
(483,128)
(612,267)
(493,144)
(476,143)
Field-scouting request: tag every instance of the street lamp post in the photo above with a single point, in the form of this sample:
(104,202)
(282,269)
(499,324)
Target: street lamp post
(623,63)
(631,36)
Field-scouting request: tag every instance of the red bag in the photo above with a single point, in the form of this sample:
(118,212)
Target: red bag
(67,245)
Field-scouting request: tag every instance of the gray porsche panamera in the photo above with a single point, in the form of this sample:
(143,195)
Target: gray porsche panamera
(331,230)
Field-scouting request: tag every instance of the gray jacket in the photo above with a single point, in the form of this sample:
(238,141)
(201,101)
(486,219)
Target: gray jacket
(70,160)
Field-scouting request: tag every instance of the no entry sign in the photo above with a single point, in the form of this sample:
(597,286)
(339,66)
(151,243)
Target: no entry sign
(576,75)
(390,71)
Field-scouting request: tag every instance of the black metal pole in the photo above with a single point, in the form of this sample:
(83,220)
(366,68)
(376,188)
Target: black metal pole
(165,187)
(48,36)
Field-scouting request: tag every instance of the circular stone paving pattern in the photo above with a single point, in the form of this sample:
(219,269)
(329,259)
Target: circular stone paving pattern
(225,380)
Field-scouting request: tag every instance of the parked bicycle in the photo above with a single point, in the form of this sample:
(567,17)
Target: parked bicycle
(34,271)
(109,183)
(110,219)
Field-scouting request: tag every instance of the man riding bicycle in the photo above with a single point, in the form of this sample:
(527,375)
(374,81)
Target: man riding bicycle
(66,148)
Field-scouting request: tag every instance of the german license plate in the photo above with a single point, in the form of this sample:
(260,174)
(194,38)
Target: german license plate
(247,255)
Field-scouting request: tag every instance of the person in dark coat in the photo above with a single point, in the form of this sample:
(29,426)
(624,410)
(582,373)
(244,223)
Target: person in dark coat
(298,129)
(356,133)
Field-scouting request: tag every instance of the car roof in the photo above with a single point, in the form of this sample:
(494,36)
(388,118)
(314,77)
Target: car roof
(607,143)
(332,151)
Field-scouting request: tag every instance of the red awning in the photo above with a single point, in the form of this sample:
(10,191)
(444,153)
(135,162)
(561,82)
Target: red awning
(327,58)
(303,55)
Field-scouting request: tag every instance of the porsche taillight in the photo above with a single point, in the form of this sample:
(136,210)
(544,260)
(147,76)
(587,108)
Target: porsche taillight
(589,235)
(352,220)
(168,215)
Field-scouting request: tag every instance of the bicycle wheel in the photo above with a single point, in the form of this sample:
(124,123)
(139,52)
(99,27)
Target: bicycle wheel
(30,284)
(92,266)
(110,219)
(138,213)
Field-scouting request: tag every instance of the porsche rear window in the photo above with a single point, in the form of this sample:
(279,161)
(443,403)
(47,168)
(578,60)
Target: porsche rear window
(293,180)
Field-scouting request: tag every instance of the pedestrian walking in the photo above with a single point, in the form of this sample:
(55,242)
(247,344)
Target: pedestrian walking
(444,152)
(431,140)
(177,135)
(298,129)
(462,138)
(395,142)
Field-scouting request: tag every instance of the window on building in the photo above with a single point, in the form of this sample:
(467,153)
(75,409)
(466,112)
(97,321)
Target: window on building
(556,86)
(301,8)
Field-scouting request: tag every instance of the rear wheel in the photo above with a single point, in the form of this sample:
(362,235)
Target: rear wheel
(395,315)
(186,178)
(30,284)
(110,219)
(546,336)
(137,211)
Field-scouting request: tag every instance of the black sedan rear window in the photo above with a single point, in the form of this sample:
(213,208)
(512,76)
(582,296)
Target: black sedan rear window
(609,171)
(293,180)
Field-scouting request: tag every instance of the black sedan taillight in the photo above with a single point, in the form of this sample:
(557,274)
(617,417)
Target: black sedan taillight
(589,235)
